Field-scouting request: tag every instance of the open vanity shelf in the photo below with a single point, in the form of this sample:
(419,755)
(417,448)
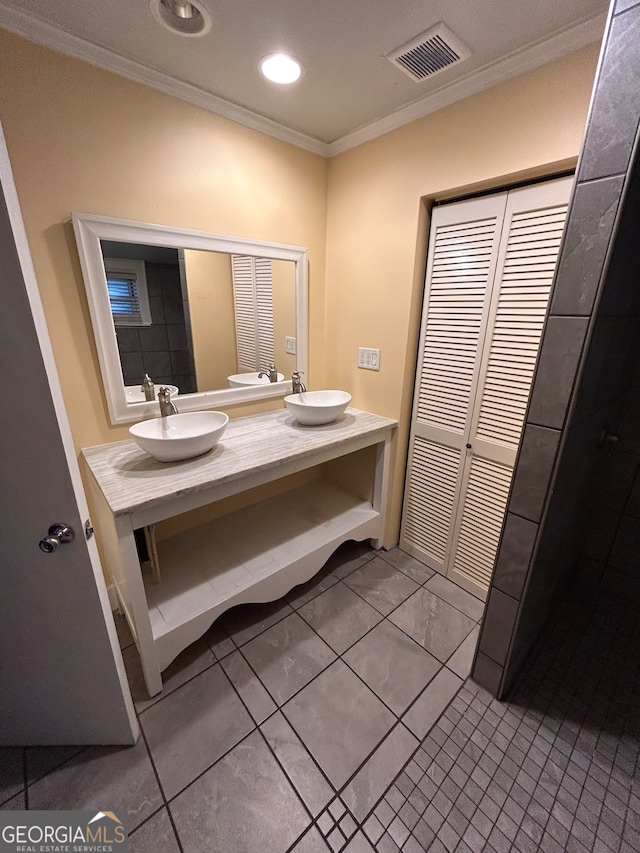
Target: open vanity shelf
(257,553)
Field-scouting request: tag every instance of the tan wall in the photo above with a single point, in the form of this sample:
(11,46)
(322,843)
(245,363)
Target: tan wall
(378,201)
(213,323)
(81,139)
(283,275)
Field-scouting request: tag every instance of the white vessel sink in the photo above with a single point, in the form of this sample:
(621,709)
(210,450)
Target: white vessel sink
(179,437)
(240,380)
(135,394)
(312,408)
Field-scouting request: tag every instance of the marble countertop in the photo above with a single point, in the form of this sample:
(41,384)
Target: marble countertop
(132,480)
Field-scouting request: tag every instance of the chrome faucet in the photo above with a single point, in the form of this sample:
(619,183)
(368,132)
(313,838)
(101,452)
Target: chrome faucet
(167,407)
(148,388)
(272,373)
(297,385)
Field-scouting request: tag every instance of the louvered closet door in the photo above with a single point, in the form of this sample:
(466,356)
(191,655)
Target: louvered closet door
(470,489)
(463,252)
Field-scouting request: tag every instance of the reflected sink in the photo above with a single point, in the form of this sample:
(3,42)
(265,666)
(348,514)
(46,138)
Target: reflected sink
(179,437)
(135,394)
(241,380)
(313,408)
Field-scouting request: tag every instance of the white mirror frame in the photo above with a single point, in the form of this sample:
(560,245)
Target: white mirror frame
(90,230)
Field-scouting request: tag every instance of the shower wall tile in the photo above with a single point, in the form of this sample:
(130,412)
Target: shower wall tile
(589,228)
(487,673)
(598,270)
(616,476)
(591,390)
(533,471)
(633,501)
(514,556)
(616,105)
(556,371)
(625,553)
(602,532)
(621,295)
(498,626)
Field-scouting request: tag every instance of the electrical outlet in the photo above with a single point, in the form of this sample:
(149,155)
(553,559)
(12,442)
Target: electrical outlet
(290,345)
(368,359)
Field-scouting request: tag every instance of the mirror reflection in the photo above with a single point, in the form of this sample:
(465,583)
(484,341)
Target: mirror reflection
(199,320)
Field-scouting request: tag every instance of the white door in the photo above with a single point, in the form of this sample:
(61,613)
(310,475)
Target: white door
(62,679)
(489,274)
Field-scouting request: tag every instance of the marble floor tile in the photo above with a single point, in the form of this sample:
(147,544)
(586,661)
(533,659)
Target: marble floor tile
(407,564)
(299,595)
(349,557)
(43,759)
(456,596)
(462,659)
(154,836)
(219,641)
(287,656)
(339,720)
(381,585)
(312,842)
(17,803)
(251,690)
(246,621)
(123,777)
(193,727)
(11,771)
(422,715)
(372,780)
(191,662)
(393,665)
(297,763)
(243,804)
(433,623)
(340,616)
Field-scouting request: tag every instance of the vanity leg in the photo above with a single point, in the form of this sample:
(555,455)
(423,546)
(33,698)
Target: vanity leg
(138,606)
(381,486)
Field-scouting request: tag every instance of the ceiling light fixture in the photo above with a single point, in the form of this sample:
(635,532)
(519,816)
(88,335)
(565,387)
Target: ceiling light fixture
(280,68)
(186,17)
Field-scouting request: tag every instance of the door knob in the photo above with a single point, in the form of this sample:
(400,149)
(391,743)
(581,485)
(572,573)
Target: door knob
(58,534)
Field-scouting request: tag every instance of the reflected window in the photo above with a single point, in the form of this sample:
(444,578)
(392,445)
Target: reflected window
(128,293)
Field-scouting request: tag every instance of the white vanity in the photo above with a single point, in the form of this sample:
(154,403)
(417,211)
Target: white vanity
(254,554)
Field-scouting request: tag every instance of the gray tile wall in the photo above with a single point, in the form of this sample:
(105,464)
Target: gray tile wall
(584,381)
(162,349)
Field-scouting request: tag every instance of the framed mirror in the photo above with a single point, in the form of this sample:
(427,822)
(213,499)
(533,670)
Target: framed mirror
(203,313)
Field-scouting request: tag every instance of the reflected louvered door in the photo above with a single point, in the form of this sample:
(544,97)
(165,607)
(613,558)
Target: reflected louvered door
(253,306)
(527,258)
(264,312)
(463,252)
(488,284)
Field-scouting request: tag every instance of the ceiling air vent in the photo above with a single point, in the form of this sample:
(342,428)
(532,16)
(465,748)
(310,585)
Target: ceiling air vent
(428,53)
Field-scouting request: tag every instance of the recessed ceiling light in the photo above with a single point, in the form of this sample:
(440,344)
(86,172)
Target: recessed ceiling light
(186,17)
(280,68)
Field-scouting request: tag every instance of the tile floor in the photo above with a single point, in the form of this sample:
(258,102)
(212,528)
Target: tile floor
(339,719)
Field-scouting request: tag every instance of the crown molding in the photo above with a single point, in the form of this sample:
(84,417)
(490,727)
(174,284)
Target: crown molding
(46,34)
(530,57)
(564,41)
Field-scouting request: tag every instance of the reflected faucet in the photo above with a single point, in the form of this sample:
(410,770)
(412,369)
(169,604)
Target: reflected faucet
(297,385)
(167,407)
(148,388)
(272,373)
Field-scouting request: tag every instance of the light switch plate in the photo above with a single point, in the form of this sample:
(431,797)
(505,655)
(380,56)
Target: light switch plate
(290,345)
(368,359)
